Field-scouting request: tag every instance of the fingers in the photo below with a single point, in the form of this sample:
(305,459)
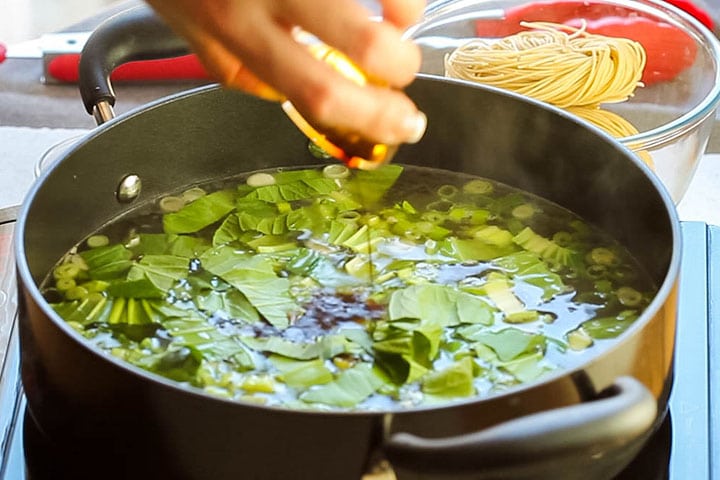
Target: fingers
(376,47)
(326,98)
(228,69)
(247,44)
(403,13)
(379,114)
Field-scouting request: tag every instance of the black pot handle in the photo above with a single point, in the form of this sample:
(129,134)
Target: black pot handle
(621,415)
(134,34)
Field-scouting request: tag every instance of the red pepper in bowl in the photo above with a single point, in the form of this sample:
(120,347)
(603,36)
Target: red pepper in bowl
(670,50)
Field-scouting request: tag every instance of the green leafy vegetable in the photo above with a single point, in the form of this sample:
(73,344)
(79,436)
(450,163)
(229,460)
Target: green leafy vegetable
(508,343)
(453,381)
(169,244)
(107,263)
(280,346)
(255,277)
(303,374)
(232,303)
(547,249)
(609,327)
(337,289)
(200,213)
(440,305)
(350,388)
(528,368)
(291,191)
(163,271)
(369,186)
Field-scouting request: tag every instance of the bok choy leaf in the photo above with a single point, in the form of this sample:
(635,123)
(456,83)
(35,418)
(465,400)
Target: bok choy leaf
(351,387)
(200,213)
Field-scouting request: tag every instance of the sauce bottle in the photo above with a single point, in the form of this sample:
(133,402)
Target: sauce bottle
(350,148)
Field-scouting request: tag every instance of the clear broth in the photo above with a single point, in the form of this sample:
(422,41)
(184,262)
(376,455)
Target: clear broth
(363,291)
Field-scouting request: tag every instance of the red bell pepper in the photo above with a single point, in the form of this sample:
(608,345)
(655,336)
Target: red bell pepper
(669,49)
(700,14)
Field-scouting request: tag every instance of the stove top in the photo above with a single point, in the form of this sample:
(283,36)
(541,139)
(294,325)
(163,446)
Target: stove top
(681,449)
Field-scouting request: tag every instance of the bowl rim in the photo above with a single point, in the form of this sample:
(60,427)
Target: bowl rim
(443,12)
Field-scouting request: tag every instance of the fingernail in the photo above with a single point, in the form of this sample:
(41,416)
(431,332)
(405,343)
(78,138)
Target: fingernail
(415,125)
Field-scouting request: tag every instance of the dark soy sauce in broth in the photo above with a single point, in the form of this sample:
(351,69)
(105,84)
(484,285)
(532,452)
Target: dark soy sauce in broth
(333,289)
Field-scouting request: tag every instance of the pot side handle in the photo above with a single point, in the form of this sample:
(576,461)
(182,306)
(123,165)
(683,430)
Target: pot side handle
(133,34)
(623,413)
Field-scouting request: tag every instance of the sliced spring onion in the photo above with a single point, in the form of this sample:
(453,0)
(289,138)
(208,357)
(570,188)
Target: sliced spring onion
(629,297)
(431,246)
(258,383)
(433,216)
(493,235)
(623,274)
(603,256)
(284,207)
(76,293)
(523,212)
(360,267)
(67,270)
(96,241)
(64,284)
(499,289)
(133,240)
(579,339)
(373,221)
(441,205)
(447,191)
(596,271)
(348,215)
(477,186)
(343,362)
(96,286)
(429,230)
(525,316)
(562,238)
(547,249)
(260,179)
(336,171)
(171,203)
(192,194)
(407,207)
(77,260)
(458,214)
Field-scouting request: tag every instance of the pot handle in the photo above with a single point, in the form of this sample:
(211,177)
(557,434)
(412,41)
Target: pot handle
(621,414)
(133,34)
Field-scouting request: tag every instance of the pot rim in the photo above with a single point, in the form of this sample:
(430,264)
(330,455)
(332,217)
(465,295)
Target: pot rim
(29,286)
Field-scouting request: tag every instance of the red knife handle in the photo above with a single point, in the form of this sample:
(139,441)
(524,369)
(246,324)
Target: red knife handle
(3,51)
(64,68)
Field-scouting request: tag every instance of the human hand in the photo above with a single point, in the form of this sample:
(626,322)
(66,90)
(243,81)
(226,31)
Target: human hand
(248,45)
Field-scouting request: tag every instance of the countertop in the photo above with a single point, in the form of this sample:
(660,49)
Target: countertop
(35,116)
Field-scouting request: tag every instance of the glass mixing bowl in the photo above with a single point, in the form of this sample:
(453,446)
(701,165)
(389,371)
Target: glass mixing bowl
(673,112)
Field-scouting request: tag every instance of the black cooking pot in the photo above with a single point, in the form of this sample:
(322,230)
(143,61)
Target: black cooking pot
(582,423)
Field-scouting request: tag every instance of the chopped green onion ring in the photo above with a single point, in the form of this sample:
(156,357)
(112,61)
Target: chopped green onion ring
(95,241)
(171,203)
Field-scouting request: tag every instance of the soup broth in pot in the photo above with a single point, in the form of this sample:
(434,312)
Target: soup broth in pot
(329,288)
